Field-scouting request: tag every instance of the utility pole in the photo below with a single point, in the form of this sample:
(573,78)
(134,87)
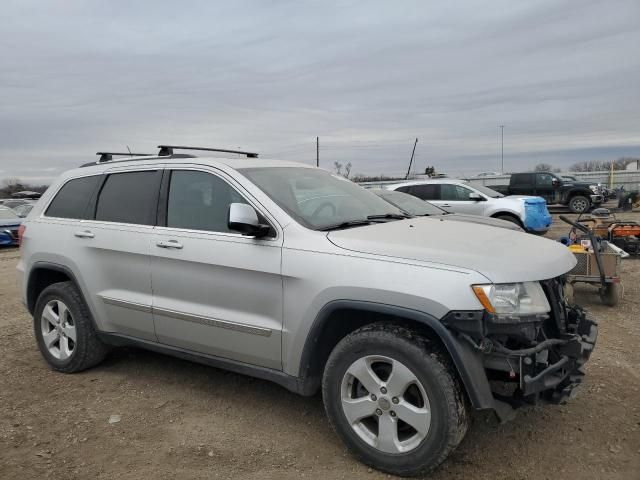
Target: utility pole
(501,148)
(317,151)
(411,161)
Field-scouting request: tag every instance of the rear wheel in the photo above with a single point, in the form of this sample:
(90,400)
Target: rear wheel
(64,330)
(394,400)
(579,204)
(611,294)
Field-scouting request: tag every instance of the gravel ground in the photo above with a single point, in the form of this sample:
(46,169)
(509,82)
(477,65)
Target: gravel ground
(178,418)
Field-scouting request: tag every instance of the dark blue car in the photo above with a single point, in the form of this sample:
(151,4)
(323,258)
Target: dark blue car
(9,224)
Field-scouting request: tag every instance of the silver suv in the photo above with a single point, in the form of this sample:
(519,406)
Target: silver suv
(289,273)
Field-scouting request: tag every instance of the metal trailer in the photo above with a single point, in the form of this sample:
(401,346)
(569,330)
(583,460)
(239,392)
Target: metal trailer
(601,266)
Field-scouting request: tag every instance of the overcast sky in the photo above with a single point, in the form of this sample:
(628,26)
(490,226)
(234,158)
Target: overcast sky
(366,77)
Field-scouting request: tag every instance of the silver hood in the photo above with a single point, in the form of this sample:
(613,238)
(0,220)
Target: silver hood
(492,222)
(499,254)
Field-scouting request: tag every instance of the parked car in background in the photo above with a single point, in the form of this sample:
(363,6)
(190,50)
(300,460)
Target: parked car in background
(579,196)
(9,225)
(419,208)
(13,202)
(487,174)
(459,196)
(23,210)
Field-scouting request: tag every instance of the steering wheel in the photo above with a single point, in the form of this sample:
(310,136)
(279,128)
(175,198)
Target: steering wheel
(323,206)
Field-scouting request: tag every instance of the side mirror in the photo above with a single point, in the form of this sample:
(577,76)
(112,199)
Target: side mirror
(244,219)
(555,182)
(476,197)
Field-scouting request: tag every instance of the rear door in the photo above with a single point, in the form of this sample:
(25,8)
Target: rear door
(215,291)
(115,240)
(522,184)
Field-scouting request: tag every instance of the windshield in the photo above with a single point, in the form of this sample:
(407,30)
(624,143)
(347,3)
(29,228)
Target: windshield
(316,198)
(408,203)
(7,214)
(487,191)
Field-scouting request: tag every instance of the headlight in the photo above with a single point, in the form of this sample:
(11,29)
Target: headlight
(509,301)
(595,189)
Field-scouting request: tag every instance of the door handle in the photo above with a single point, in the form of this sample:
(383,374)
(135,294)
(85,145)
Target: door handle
(445,205)
(170,244)
(84,234)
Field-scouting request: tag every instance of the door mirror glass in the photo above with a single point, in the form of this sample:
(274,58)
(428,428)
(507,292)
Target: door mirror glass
(244,219)
(476,197)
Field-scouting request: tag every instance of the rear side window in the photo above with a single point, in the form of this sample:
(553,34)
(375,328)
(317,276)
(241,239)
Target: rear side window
(425,192)
(200,201)
(129,198)
(522,179)
(72,199)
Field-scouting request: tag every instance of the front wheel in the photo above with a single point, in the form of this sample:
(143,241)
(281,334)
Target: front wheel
(394,400)
(579,204)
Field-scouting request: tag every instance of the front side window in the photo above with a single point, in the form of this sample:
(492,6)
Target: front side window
(129,198)
(72,199)
(200,201)
(455,193)
(545,180)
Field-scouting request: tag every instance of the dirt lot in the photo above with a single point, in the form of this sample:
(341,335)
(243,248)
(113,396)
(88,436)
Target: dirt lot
(178,418)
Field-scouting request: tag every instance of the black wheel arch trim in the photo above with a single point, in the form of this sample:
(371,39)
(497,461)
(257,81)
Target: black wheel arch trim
(468,362)
(31,301)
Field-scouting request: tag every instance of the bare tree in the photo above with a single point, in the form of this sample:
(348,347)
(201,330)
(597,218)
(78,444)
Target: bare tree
(338,166)
(347,170)
(543,167)
(601,165)
(11,186)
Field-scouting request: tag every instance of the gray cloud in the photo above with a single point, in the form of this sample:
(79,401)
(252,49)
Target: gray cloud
(367,77)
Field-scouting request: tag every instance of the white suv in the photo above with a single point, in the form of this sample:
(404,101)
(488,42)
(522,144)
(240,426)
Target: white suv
(289,273)
(458,196)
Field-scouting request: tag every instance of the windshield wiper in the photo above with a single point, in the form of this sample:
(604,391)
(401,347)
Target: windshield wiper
(395,216)
(350,223)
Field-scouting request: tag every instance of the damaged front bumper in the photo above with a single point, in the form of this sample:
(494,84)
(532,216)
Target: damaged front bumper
(556,381)
(519,371)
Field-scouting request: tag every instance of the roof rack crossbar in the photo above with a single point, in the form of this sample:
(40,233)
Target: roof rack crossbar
(106,156)
(167,150)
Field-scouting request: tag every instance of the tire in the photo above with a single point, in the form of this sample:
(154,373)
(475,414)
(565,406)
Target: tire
(611,294)
(435,389)
(60,315)
(579,204)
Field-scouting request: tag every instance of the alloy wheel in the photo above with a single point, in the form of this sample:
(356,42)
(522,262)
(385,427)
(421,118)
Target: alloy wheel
(385,404)
(58,330)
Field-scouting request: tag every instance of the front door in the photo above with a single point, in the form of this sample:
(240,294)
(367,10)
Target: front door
(215,291)
(545,187)
(455,199)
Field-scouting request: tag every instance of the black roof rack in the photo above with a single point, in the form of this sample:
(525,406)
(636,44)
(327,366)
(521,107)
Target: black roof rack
(167,150)
(106,156)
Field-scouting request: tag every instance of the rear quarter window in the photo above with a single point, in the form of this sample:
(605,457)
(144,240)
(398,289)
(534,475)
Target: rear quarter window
(72,199)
